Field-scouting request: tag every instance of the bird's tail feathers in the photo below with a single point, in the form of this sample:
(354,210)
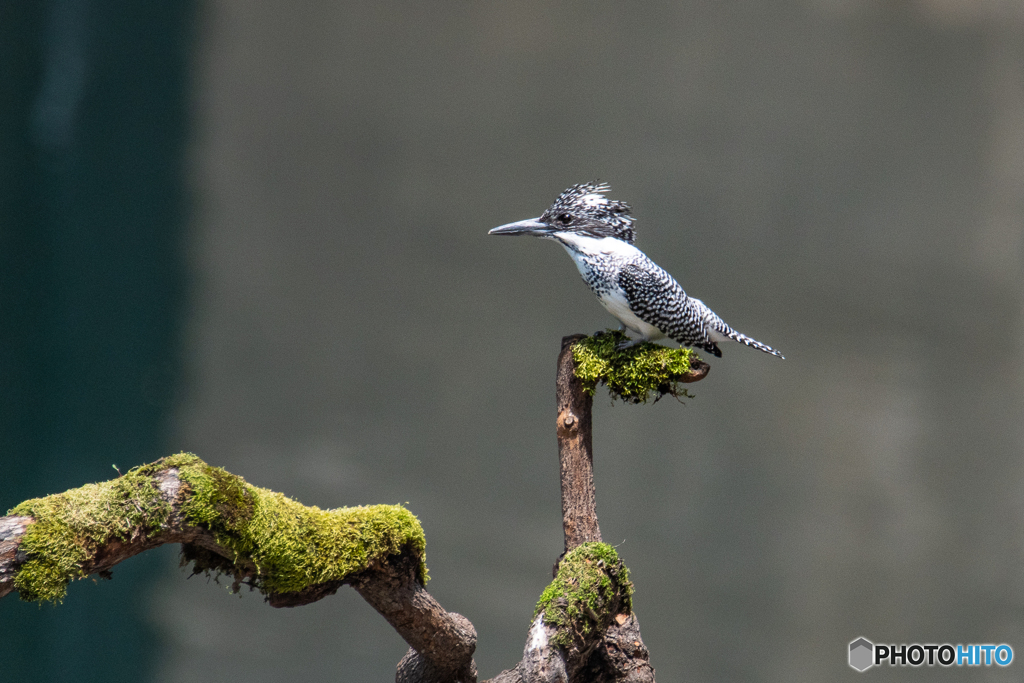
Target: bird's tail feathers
(749,341)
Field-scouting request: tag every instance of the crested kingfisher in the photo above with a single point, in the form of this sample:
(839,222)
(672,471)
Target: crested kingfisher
(598,234)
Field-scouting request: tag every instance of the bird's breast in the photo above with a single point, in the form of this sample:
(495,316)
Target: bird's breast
(600,274)
(614,301)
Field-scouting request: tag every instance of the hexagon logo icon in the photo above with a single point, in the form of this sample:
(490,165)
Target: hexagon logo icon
(862,653)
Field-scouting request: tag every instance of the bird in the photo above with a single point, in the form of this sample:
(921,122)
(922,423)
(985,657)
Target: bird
(598,234)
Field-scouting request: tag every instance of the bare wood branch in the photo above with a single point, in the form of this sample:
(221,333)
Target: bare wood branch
(575,451)
(442,642)
(698,371)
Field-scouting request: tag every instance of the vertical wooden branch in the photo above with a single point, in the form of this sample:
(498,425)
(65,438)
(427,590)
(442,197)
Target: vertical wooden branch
(575,451)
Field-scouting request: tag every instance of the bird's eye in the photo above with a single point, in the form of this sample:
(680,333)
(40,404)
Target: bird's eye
(565,218)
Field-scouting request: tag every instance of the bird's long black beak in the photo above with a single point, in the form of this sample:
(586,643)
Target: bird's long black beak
(532,227)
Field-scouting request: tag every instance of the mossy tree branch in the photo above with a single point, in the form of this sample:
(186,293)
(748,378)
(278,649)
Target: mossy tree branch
(584,628)
(291,553)
(633,375)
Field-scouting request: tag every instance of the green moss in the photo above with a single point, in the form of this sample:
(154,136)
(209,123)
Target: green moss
(592,586)
(294,546)
(291,545)
(632,374)
(70,526)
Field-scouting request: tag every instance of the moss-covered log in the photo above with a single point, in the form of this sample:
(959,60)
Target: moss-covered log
(291,553)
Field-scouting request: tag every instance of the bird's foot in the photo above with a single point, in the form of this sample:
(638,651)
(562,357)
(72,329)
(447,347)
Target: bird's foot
(629,343)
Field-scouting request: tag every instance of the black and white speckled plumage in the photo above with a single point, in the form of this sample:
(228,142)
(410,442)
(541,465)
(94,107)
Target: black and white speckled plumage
(585,209)
(598,235)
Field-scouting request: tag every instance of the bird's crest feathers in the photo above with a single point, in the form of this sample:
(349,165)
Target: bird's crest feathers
(584,208)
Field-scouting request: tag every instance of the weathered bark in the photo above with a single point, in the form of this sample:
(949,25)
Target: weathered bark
(11,531)
(575,451)
(618,656)
(542,662)
(621,657)
(442,642)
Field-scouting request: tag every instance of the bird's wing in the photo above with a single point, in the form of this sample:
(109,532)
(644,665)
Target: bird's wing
(655,297)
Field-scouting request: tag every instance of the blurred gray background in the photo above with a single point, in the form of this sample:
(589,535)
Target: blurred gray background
(841,179)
